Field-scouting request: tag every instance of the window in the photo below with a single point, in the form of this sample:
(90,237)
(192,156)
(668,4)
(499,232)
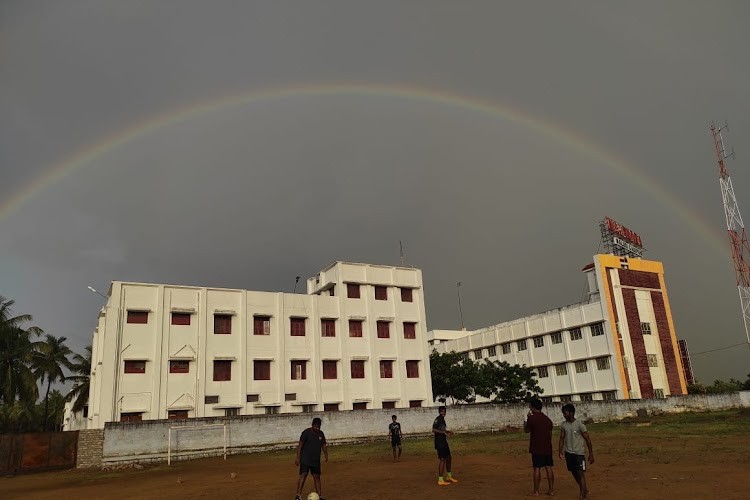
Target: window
(406,295)
(297,326)
(131,417)
(646,328)
(211,400)
(412,369)
(415,403)
(181,319)
(222,370)
(609,395)
(575,334)
(506,348)
(358,368)
(556,338)
(261,369)
(521,345)
(177,414)
(597,329)
(329,370)
(587,397)
(410,330)
(135,367)
(381,292)
(138,317)
(231,412)
(384,331)
(389,405)
(330,407)
(359,406)
(659,393)
(491,351)
(546,399)
(386,368)
(352,290)
(561,369)
(652,361)
(478,354)
(222,324)
(308,408)
(581,367)
(602,363)
(299,369)
(355,327)
(262,325)
(465,356)
(272,410)
(179,366)
(290,396)
(85,411)
(538,341)
(328,327)
(543,372)
(253,398)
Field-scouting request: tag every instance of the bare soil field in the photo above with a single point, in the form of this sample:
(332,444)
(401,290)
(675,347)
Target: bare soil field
(699,455)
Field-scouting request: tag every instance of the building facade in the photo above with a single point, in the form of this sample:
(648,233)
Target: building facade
(356,340)
(618,344)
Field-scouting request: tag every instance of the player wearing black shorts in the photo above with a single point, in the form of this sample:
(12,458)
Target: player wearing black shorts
(539,427)
(311,443)
(394,431)
(441,432)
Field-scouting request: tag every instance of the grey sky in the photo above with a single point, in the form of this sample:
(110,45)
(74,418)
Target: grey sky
(253,194)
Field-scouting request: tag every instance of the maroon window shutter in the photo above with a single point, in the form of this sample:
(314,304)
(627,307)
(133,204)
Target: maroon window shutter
(261,370)
(329,327)
(222,370)
(180,318)
(261,325)
(406,295)
(138,317)
(383,330)
(412,369)
(329,370)
(358,368)
(352,290)
(179,366)
(355,328)
(222,324)
(381,292)
(297,327)
(410,330)
(386,369)
(135,366)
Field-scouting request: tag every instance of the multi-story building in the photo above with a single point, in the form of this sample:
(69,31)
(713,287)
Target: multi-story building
(618,344)
(356,340)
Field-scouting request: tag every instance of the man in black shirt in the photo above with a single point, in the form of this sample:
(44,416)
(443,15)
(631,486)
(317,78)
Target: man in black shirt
(311,443)
(441,432)
(394,431)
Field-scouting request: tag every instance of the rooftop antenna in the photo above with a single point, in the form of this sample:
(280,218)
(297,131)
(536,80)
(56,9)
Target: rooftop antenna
(296,280)
(460,310)
(401,252)
(93,290)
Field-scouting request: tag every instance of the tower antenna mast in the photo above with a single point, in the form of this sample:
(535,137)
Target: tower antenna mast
(735,226)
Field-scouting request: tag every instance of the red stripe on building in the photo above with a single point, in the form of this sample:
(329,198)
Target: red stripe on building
(665,340)
(640,359)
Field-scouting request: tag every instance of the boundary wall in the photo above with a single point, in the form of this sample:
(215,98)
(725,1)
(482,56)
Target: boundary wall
(147,442)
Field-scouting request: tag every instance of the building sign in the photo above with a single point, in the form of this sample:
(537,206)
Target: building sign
(620,240)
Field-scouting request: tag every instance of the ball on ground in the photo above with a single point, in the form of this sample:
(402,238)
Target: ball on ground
(313,496)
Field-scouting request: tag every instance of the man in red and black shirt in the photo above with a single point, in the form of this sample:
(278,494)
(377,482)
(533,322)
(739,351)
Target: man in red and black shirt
(539,426)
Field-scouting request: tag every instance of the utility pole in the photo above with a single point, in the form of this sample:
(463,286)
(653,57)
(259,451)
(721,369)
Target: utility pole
(735,227)
(460,310)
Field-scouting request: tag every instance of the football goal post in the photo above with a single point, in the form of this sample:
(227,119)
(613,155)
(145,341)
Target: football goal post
(197,443)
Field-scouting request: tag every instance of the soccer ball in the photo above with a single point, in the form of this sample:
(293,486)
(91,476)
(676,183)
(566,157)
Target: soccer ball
(313,496)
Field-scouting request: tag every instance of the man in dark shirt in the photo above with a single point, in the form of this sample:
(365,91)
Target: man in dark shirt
(441,432)
(394,431)
(539,427)
(311,442)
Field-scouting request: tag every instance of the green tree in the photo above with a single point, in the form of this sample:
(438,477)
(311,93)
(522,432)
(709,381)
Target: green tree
(17,347)
(506,383)
(454,376)
(48,362)
(81,378)
(55,411)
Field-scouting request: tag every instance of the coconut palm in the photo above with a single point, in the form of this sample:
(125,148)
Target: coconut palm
(48,361)
(79,394)
(16,350)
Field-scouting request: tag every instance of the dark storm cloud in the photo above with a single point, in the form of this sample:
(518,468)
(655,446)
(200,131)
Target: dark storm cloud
(251,196)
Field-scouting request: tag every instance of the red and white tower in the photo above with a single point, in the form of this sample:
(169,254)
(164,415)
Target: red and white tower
(735,227)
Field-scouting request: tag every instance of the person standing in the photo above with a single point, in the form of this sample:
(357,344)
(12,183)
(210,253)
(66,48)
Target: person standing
(394,431)
(539,427)
(441,432)
(311,443)
(572,437)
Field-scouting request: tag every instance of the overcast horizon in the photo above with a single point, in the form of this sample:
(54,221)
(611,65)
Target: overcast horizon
(239,145)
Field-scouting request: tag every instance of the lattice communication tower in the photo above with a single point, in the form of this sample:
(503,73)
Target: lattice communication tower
(735,226)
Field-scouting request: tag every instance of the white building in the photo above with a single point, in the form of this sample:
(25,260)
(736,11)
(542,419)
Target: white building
(356,340)
(619,344)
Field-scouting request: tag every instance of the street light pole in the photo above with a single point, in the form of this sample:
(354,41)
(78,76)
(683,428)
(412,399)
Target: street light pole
(93,290)
(460,310)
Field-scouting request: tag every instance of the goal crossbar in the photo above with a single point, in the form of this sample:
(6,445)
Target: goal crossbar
(194,428)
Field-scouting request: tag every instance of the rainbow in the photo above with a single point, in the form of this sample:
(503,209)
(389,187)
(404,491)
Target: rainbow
(562,135)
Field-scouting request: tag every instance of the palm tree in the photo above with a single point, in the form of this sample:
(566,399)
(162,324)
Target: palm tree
(81,377)
(56,411)
(16,351)
(48,362)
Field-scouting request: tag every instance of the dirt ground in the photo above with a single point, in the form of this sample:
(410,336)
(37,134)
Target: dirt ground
(702,458)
